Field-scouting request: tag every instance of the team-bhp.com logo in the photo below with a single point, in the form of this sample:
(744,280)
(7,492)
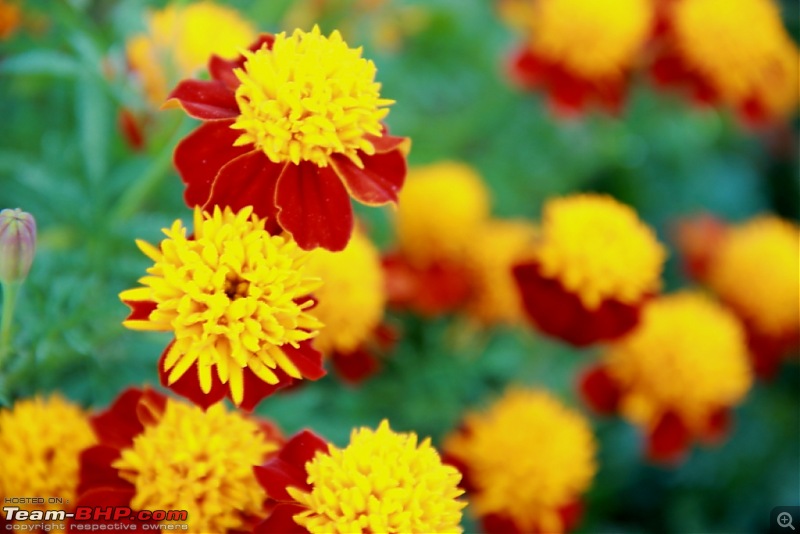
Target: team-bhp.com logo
(94,518)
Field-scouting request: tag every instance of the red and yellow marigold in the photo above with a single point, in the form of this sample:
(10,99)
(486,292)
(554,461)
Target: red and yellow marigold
(237,300)
(677,375)
(526,460)
(593,266)
(383,481)
(292,128)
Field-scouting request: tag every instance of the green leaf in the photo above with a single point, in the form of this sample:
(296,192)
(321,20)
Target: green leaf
(41,62)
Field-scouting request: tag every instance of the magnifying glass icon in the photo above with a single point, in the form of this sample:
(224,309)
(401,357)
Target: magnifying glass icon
(785,520)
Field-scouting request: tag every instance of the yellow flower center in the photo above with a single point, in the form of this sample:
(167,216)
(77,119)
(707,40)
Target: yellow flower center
(233,296)
(351,301)
(599,249)
(308,98)
(180,40)
(441,206)
(593,39)
(741,50)
(527,456)
(688,355)
(496,247)
(201,462)
(756,272)
(382,482)
(40,443)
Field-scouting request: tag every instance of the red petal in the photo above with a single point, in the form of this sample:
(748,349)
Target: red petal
(131,129)
(571,515)
(431,291)
(388,143)
(717,427)
(105,498)
(205,100)
(96,471)
(302,448)
(669,440)
(140,309)
(200,156)
(151,407)
(281,521)
(599,390)
(499,524)
(314,207)
(698,239)
(256,390)
(188,385)
(248,180)
(378,182)
(117,426)
(307,359)
(526,69)
(288,469)
(356,366)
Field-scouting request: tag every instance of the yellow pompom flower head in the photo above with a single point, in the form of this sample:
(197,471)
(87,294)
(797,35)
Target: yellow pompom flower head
(293,128)
(526,461)
(383,481)
(742,58)
(156,453)
(677,375)
(40,444)
(581,51)
(592,267)
(237,300)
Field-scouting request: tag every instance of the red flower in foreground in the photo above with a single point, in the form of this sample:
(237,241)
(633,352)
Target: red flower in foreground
(156,453)
(292,127)
(677,375)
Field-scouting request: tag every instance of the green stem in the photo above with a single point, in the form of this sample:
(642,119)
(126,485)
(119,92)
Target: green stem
(10,291)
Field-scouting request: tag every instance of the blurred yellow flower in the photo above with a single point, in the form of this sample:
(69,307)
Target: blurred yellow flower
(180,39)
(527,460)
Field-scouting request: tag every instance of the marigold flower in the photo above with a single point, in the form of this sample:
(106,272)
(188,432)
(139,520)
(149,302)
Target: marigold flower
(179,41)
(293,128)
(383,481)
(156,453)
(495,248)
(742,57)
(754,270)
(350,304)
(582,51)
(10,18)
(526,461)
(677,375)
(17,245)
(428,271)
(40,442)
(594,265)
(237,300)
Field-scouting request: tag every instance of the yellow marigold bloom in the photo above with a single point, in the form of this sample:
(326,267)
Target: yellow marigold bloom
(528,458)
(10,17)
(382,481)
(201,462)
(352,299)
(599,249)
(179,41)
(589,38)
(40,443)
(688,356)
(307,98)
(440,208)
(495,248)
(236,298)
(756,270)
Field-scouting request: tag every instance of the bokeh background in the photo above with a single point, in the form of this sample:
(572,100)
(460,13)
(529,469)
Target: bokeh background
(63,158)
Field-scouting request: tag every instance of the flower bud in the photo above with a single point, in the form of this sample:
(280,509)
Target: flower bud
(17,244)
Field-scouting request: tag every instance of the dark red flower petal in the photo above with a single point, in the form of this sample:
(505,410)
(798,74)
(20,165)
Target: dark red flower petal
(599,390)
(256,390)
(467,484)
(222,69)
(717,427)
(117,426)
(105,498)
(288,467)
(140,309)
(207,100)
(356,366)
(306,358)
(131,128)
(388,143)
(560,313)
(378,182)
(669,441)
(188,385)
(571,515)
(281,521)
(247,180)
(314,207)
(526,69)
(499,524)
(430,291)
(698,239)
(95,469)
(200,156)
(151,407)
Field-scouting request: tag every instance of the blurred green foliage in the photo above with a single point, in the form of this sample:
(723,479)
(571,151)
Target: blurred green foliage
(63,81)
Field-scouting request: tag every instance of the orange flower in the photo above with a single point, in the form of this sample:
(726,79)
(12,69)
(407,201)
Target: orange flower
(10,17)
(292,128)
